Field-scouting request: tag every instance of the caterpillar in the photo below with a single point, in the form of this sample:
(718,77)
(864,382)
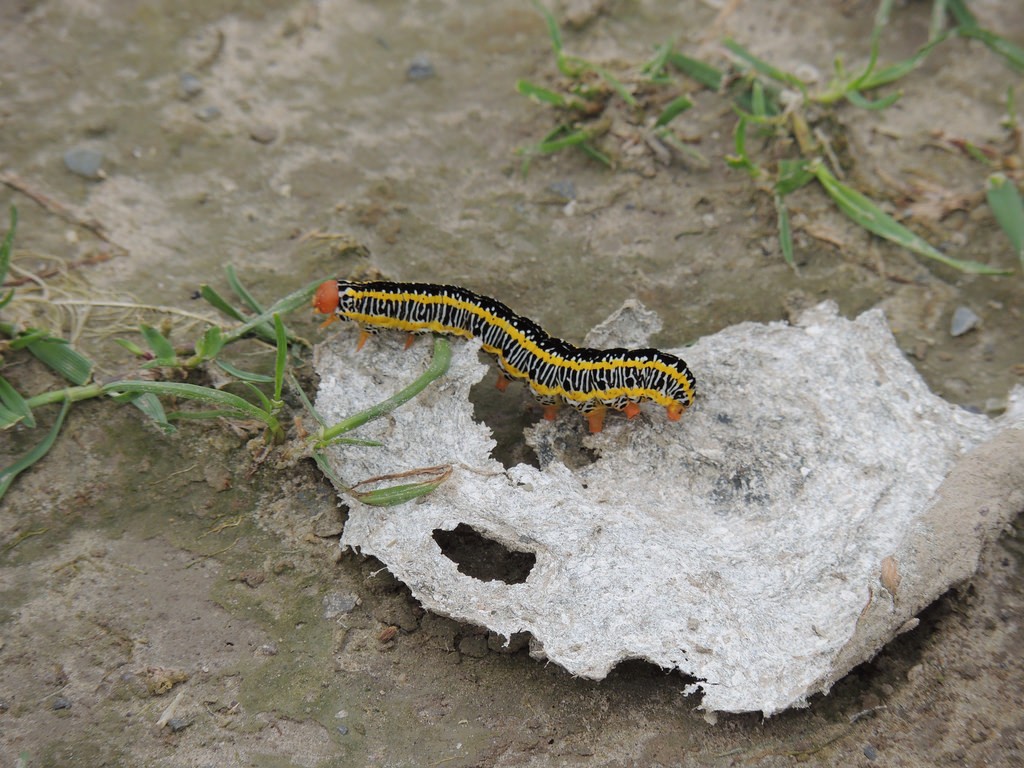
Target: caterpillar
(590,380)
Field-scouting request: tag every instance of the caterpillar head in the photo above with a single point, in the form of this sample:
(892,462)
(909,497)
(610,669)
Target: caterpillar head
(325,300)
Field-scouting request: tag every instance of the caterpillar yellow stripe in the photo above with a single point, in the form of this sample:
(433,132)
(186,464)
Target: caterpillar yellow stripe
(590,380)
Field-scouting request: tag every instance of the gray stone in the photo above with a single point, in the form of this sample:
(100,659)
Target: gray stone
(964,320)
(208,113)
(85,162)
(338,604)
(190,85)
(263,133)
(420,68)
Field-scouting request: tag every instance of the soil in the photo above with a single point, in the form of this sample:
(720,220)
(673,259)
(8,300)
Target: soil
(181,600)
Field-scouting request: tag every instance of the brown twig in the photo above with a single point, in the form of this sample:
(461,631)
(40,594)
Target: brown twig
(59,209)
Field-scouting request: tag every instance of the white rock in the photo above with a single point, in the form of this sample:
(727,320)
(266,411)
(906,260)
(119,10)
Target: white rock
(742,545)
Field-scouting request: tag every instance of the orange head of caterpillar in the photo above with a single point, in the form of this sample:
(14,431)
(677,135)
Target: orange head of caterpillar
(325,300)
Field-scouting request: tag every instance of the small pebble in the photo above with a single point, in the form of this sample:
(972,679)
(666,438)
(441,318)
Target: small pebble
(964,320)
(263,133)
(343,730)
(339,603)
(565,189)
(177,724)
(207,113)
(61,703)
(420,68)
(190,85)
(870,752)
(85,162)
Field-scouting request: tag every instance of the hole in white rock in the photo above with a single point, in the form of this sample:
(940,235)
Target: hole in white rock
(483,558)
(507,413)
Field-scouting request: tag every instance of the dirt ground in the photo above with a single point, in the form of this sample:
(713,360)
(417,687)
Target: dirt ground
(172,601)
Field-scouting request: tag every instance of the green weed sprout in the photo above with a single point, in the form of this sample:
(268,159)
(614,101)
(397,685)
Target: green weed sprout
(1005,201)
(774,102)
(145,394)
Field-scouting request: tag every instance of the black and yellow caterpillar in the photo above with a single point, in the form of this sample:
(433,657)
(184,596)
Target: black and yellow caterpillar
(590,380)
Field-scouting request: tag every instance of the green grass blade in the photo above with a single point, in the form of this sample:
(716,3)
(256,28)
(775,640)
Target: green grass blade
(232,403)
(890,74)
(762,67)
(673,109)
(292,301)
(5,254)
(881,22)
(785,232)
(937,24)
(220,303)
(553,31)
(961,15)
(595,154)
(8,245)
(758,105)
(438,365)
(741,160)
(397,494)
(705,74)
(151,406)
(28,336)
(546,96)
(616,84)
(265,402)
(208,347)
(58,355)
(263,329)
(281,359)
(8,418)
(967,26)
(1005,201)
(692,156)
(238,373)
(793,174)
(163,350)
(203,415)
(321,461)
(655,68)
(225,307)
(858,100)
(15,407)
(132,347)
(241,291)
(9,473)
(297,389)
(1013,53)
(866,214)
(572,139)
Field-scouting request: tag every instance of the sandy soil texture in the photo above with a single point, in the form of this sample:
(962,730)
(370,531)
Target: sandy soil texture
(181,601)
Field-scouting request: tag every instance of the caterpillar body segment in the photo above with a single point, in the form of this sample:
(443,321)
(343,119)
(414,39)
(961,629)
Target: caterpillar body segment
(590,380)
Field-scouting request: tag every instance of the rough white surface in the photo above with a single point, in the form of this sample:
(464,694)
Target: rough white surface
(743,545)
